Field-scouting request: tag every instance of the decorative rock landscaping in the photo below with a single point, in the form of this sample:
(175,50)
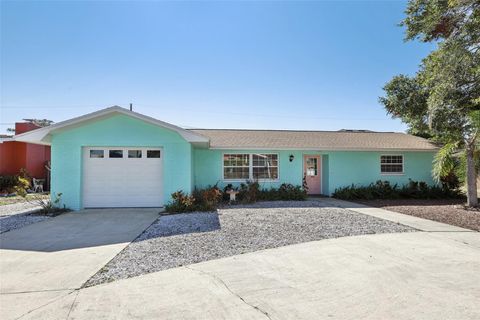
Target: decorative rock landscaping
(182,239)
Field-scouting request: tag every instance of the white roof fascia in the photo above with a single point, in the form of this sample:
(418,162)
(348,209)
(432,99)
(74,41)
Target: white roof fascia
(42,135)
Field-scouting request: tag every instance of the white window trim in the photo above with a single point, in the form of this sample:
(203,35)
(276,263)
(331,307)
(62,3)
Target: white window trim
(250,167)
(392,173)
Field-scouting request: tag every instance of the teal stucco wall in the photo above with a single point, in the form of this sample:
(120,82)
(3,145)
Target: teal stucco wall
(117,130)
(338,168)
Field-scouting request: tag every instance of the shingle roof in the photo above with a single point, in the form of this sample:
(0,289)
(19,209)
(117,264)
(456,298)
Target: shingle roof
(314,140)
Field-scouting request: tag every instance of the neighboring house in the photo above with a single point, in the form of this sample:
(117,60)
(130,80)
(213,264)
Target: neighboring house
(119,158)
(16,155)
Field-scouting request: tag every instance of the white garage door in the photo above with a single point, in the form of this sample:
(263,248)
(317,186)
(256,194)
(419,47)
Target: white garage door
(122,177)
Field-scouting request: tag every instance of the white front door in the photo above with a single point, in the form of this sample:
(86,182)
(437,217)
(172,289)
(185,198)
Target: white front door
(122,177)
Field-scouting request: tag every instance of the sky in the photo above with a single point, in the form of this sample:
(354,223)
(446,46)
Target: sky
(317,65)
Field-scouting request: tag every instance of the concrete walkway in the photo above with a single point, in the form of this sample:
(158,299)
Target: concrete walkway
(418,275)
(48,260)
(411,221)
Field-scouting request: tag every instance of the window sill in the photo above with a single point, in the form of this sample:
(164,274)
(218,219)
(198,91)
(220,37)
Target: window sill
(392,174)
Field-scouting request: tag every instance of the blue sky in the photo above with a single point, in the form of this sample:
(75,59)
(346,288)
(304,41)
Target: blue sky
(269,65)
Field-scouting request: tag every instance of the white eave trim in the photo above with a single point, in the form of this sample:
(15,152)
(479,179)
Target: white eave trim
(2,140)
(42,135)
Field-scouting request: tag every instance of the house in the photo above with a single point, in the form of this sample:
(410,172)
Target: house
(16,155)
(118,158)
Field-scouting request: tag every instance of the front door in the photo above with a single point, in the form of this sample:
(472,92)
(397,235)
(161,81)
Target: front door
(312,172)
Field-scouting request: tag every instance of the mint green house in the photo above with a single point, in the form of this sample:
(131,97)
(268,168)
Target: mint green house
(118,158)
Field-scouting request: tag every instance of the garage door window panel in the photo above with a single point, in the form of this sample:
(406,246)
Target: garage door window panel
(134,153)
(153,154)
(115,153)
(96,153)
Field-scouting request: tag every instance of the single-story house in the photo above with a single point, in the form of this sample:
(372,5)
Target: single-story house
(15,155)
(118,158)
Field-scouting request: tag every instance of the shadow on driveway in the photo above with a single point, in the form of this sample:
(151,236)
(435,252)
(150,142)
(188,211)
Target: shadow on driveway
(87,228)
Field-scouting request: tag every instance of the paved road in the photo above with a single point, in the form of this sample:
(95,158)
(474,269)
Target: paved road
(47,260)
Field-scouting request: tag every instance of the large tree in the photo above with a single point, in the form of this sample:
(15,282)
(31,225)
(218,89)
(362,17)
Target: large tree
(442,101)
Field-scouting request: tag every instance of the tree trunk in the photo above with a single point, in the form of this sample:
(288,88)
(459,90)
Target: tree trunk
(472,199)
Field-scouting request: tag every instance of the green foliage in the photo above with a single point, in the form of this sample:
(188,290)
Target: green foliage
(210,198)
(442,101)
(14,184)
(407,99)
(444,161)
(384,190)
(200,200)
(251,192)
(181,202)
(50,207)
(207,199)
(285,192)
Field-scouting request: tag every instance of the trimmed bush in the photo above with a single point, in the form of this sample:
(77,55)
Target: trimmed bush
(14,184)
(210,198)
(384,190)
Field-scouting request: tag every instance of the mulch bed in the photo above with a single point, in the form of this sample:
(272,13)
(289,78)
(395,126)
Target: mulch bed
(446,211)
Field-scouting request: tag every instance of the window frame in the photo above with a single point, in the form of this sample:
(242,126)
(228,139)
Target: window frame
(392,173)
(250,167)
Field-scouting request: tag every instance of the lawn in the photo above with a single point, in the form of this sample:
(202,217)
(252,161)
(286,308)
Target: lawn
(446,211)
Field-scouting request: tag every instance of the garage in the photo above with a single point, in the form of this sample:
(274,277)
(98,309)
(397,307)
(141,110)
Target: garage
(122,177)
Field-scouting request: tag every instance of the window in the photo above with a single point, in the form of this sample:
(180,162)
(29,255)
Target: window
(153,153)
(134,153)
(312,167)
(245,166)
(96,153)
(236,166)
(391,164)
(265,166)
(115,153)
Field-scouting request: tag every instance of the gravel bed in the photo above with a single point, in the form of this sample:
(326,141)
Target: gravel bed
(182,239)
(17,208)
(445,211)
(18,221)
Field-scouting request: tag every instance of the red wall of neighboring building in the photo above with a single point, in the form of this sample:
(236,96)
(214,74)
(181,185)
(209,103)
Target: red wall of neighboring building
(16,155)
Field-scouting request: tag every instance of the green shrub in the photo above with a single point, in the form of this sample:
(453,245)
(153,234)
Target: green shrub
(384,190)
(14,184)
(249,192)
(209,199)
(52,208)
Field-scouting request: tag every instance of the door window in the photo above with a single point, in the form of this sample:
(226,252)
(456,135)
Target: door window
(312,167)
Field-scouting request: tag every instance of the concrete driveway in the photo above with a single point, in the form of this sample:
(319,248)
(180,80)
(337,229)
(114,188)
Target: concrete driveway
(416,275)
(45,261)
(430,274)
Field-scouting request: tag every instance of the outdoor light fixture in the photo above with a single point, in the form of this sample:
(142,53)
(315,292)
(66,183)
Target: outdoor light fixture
(291,157)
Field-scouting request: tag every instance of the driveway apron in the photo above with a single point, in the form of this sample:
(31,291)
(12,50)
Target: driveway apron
(48,260)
